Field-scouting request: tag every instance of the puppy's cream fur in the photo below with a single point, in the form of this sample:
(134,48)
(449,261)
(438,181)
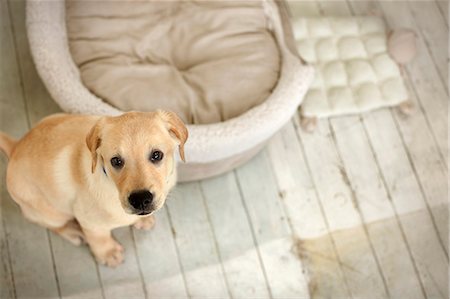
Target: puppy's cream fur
(61,176)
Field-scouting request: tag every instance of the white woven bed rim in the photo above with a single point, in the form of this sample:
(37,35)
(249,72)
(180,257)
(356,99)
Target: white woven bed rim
(207,143)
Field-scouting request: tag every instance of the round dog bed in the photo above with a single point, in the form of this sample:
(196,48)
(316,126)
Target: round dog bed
(219,140)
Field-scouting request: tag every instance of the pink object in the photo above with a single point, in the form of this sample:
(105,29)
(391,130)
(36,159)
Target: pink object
(402,45)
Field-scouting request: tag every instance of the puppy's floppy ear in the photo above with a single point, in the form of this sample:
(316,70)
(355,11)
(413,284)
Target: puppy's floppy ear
(176,127)
(93,141)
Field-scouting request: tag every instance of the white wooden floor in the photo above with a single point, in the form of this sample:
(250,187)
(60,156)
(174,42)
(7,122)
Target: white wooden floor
(356,210)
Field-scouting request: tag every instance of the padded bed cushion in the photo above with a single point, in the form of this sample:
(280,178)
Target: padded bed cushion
(208,61)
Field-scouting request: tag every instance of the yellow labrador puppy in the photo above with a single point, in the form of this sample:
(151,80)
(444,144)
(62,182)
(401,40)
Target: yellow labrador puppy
(83,176)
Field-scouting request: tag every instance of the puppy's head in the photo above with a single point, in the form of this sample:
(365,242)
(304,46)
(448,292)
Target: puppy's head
(136,151)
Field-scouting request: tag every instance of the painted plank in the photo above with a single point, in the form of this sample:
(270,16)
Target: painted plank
(70,261)
(124,281)
(432,264)
(340,206)
(434,31)
(297,189)
(362,172)
(197,249)
(39,103)
(443,8)
(406,197)
(11,95)
(157,253)
(299,196)
(31,257)
(432,174)
(285,272)
(241,260)
(12,115)
(27,243)
(333,8)
(303,8)
(6,276)
(429,93)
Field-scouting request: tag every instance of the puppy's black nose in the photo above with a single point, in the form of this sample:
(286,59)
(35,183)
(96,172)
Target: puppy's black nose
(140,200)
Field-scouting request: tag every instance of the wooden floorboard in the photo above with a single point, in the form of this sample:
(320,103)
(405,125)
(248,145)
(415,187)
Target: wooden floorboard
(365,179)
(38,101)
(159,260)
(307,219)
(443,8)
(404,192)
(70,261)
(199,256)
(7,289)
(257,184)
(240,257)
(340,208)
(434,32)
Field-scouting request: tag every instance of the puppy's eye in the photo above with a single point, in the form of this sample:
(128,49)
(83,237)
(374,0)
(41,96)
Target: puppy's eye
(156,156)
(117,162)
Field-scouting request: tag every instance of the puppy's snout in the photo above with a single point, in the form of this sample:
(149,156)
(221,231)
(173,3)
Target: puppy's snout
(141,201)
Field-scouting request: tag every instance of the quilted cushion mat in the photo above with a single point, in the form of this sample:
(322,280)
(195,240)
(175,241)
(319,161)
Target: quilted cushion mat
(354,72)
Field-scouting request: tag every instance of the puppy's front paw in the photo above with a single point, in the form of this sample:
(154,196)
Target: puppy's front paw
(112,257)
(145,223)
